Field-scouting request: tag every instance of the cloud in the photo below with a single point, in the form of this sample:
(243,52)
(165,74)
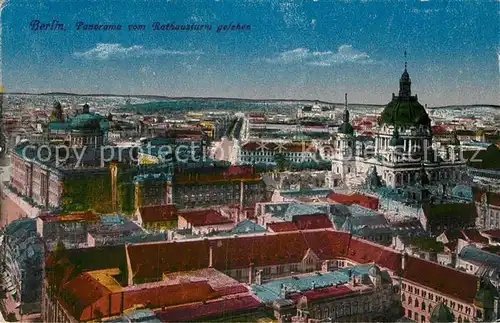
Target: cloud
(106,51)
(344,54)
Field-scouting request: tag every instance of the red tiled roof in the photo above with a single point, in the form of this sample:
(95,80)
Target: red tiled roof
(355,198)
(204,217)
(441,278)
(80,293)
(327,244)
(282,227)
(363,251)
(438,129)
(149,261)
(495,233)
(75,216)
(170,295)
(158,213)
(191,312)
(231,290)
(310,222)
(474,236)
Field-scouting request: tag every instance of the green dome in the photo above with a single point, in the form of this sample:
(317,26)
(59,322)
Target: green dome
(405,111)
(89,121)
(346,128)
(441,313)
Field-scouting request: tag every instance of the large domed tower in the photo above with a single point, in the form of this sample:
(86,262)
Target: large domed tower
(404,135)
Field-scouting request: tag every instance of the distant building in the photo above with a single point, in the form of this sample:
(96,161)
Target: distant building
(315,111)
(281,154)
(85,129)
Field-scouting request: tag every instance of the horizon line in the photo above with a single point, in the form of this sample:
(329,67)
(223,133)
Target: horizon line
(231,98)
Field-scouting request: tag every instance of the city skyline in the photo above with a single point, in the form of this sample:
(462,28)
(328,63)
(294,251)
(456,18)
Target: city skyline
(315,50)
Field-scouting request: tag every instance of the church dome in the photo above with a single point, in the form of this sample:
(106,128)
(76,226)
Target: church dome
(441,313)
(406,112)
(404,109)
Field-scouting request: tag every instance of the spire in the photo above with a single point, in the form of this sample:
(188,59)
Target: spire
(406,63)
(345,116)
(405,82)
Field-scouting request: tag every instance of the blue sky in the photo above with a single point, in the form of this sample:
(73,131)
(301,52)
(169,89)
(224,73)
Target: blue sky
(311,49)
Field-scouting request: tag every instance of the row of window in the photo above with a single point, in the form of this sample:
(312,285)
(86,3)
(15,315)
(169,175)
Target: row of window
(434,298)
(341,310)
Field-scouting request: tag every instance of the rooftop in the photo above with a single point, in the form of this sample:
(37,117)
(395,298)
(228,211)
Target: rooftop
(478,256)
(158,213)
(204,217)
(270,291)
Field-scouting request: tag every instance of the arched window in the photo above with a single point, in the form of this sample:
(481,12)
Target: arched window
(423,306)
(416,302)
(403,298)
(409,300)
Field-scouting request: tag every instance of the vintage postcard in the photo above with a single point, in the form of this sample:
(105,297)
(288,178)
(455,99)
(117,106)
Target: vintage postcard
(250,161)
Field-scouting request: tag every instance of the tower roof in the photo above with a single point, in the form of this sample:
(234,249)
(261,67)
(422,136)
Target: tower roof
(346,127)
(405,109)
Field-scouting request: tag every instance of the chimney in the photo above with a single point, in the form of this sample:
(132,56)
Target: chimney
(242,194)
(282,291)
(404,260)
(250,274)
(353,280)
(258,277)
(210,256)
(324,266)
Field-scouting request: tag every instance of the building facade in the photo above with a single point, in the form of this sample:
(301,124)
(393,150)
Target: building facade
(402,154)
